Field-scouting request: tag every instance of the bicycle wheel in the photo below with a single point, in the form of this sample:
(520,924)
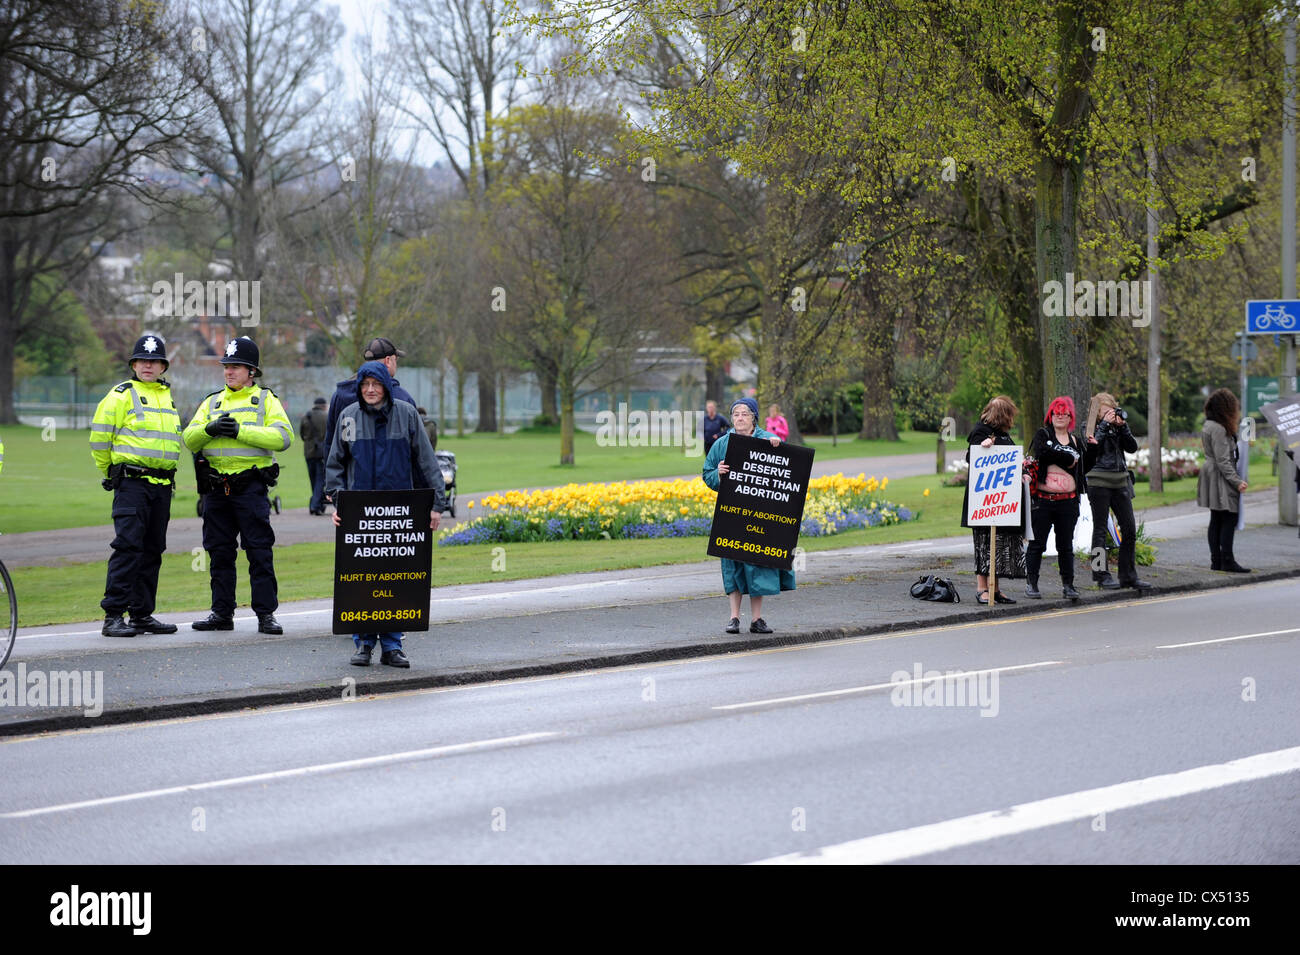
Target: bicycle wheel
(9,622)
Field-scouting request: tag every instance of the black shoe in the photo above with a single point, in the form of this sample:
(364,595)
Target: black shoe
(266,623)
(1001,598)
(1136,584)
(115,626)
(214,621)
(1232,567)
(1216,564)
(395,658)
(362,657)
(982,598)
(1031,589)
(150,625)
(734,625)
(759,626)
(1107,583)
(1068,591)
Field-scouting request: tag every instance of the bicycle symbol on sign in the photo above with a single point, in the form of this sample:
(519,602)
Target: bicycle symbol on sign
(1276,316)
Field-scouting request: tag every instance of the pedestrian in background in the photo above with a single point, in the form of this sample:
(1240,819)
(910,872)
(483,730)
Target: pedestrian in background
(235,434)
(135,441)
(776,422)
(1110,490)
(430,428)
(739,578)
(345,392)
(715,425)
(1055,495)
(1220,486)
(994,428)
(383,447)
(311,431)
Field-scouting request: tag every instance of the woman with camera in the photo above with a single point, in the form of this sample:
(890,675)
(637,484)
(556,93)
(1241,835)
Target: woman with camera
(1220,485)
(1107,478)
(1055,494)
(993,428)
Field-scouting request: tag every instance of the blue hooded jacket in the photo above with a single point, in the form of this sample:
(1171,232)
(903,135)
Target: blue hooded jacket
(385,448)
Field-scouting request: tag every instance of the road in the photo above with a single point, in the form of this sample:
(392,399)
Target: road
(748,757)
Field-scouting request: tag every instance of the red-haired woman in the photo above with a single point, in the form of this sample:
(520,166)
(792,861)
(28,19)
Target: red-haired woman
(994,428)
(1055,495)
(1219,486)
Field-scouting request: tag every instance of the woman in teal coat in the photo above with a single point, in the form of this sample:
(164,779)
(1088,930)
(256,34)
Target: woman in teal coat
(739,578)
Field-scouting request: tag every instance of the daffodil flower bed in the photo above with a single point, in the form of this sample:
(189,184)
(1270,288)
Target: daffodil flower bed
(640,509)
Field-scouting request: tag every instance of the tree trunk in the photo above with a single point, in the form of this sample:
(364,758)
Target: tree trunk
(1065,344)
(878,377)
(487,398)
(715,383)
(567,393)
(501,403)
(547,379)
(460,402)
(8,333)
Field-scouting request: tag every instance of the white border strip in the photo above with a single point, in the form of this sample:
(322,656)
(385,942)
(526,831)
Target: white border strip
(968,830)
(1244,636)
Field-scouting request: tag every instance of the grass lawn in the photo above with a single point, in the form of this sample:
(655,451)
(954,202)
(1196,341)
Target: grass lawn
(54,484)
(71,592)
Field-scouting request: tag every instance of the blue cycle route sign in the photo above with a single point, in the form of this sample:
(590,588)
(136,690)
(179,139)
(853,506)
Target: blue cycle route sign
(1273,317)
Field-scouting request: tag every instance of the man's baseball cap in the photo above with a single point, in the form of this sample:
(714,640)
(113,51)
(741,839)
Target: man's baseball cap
(381,348)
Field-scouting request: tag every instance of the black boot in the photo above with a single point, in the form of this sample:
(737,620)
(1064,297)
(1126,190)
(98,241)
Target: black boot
(1031,589)
(1068,591)
(115,626)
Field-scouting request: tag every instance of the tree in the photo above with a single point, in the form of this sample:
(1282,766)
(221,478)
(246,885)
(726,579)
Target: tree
(89,94)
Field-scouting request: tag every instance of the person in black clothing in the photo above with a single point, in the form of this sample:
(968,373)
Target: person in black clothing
(715,425)
(1106,475)
(1055,495)
(995,423)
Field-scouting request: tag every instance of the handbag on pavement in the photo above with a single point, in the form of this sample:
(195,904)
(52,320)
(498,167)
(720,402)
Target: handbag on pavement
(940,589)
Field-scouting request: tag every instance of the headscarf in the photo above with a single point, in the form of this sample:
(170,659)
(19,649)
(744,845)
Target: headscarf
(1061,405)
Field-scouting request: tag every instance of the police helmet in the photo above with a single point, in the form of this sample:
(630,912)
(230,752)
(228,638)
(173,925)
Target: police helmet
(150,348)
(242,351)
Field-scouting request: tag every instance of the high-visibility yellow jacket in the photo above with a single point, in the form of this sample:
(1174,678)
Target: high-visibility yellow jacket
(2,455)
(263,429)
(137,423)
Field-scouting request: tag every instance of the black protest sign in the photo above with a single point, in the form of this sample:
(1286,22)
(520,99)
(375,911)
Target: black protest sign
(1284,416)
(383,552)
(760,502)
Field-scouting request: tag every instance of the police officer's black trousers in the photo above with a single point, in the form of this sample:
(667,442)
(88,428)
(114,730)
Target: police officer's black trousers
(141,510)
(247,515)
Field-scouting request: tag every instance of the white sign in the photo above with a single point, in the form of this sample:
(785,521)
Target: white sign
(995,491)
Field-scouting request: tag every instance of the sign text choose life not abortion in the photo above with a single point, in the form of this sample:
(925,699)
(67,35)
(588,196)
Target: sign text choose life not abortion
(996,495)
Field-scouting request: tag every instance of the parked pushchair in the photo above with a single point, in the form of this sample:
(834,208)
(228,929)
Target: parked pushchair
(447,464)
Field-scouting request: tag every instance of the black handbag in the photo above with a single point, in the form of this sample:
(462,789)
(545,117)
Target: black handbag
(941,589)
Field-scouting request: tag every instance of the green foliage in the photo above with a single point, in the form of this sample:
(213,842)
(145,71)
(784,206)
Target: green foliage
(62,338)
(815,410)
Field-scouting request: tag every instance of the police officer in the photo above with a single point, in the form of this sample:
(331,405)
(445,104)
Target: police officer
(234,435)
(135,441)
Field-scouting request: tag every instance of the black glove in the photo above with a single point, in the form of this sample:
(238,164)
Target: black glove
(227,427)
(214,426)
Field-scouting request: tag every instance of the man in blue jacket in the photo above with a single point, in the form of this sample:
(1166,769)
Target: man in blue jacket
(345,392)
(380,445)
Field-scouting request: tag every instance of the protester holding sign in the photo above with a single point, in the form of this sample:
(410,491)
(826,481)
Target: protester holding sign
(739,578)
(380,444)
(1220,486)
(993,428)
(1055,493)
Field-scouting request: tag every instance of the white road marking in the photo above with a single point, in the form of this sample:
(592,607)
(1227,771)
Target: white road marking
(367,761)
(968,830)
(883,686)
(1244,636)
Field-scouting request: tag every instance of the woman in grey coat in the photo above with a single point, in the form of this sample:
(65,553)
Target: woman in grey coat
(1220,486)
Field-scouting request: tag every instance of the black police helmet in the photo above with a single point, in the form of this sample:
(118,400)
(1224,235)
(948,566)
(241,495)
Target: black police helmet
(150,348)
(242,351)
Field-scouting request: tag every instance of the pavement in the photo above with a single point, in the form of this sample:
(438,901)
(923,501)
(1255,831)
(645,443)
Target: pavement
(77,545)
(496,631)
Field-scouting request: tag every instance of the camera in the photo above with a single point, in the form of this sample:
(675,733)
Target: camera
(1121,414)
